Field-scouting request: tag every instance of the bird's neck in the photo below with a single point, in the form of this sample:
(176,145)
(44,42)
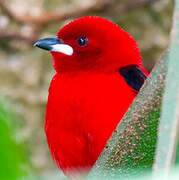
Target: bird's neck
(84,74)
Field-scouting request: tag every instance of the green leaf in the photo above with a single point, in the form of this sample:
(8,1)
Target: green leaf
(169,123)
(130,151)
(11,154)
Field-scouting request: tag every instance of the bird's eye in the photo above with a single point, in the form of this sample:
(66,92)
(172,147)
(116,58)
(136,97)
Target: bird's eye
(82,41)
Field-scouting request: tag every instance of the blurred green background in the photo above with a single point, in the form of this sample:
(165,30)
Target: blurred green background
(25,72)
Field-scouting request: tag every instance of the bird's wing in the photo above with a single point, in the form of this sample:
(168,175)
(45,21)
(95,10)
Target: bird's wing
(134,76)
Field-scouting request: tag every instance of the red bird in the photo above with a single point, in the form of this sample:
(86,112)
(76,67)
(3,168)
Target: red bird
(98,74)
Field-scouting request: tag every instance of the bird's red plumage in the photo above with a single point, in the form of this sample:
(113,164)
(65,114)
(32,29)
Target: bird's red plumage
(88,96)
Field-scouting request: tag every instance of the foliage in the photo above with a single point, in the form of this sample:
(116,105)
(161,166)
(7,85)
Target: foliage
(132,146)
(12,156)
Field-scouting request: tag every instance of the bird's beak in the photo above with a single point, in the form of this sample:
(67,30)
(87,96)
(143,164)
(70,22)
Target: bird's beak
(54,44)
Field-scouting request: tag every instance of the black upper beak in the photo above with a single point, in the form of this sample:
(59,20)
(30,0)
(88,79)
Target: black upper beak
(48,43)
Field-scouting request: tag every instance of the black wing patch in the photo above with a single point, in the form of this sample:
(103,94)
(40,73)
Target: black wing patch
(133,76)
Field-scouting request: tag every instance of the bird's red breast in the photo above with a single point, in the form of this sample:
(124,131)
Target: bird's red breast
(82,112)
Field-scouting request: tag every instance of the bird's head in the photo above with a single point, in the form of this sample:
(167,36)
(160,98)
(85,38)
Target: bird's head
(91,44)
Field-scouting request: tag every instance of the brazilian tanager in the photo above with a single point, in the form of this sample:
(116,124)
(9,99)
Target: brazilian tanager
(98,74)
